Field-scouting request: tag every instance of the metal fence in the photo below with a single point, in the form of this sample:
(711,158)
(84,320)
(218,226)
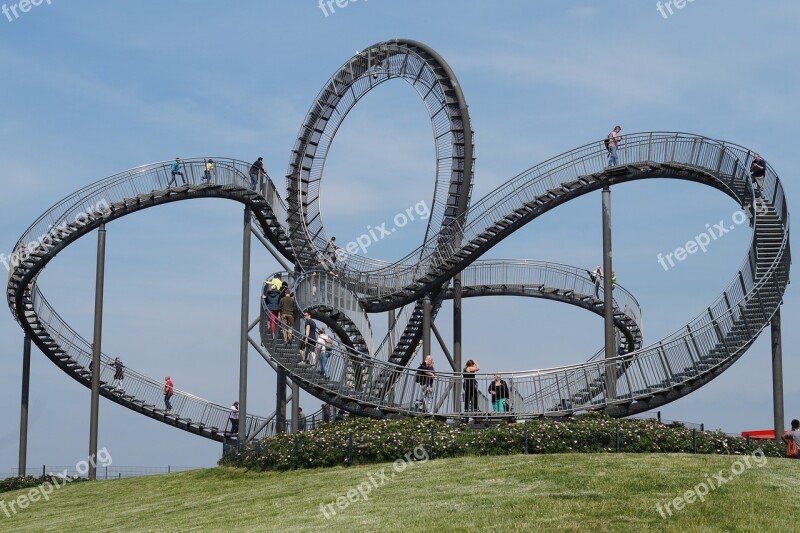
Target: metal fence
(103,472)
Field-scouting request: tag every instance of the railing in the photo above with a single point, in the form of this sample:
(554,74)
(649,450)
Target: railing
(522,273)
(324,289)
(103,472)
(707,343)
(94,200)
(376,279)
(136,387)
(530,273)
(389,343)
(142,391)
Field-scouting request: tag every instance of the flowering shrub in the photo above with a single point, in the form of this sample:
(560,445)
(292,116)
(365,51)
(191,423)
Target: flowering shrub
(375,441)
(17,483)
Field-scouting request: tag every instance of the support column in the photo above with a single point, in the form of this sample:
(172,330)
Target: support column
(457,340)
(245,326)
(271,249)
(295,407)
(280,408)
(23,415)
(777,374)
(426,326)
(608,297)
(97,341)
(392,320)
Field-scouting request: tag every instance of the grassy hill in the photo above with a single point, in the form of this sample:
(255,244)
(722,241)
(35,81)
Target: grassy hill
(563,492)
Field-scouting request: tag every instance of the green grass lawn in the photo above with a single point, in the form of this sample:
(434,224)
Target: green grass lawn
(568,492)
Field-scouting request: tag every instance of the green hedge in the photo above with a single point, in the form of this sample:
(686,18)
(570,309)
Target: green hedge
(376,441)
(27,482)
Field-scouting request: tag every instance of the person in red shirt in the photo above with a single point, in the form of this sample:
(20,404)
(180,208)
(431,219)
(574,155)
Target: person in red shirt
(168,390)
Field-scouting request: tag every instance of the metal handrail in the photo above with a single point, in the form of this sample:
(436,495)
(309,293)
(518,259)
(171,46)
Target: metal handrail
(640,373)
(523,272)
(535,181)
(135,388)
(88,202)
(706,345)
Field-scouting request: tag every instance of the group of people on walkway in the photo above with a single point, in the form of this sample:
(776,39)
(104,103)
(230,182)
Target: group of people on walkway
(177,170)
(758,166)
(119,377)
(279,302)
(315,343)
(315,346)
(499,392)
(597,277)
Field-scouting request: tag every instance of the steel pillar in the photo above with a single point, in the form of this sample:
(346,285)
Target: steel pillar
(608,297)
(295,407)
(457,340)
(426,327)
(443,346)
(777,374)
(271,249)
(23,415)
(97,341)
(245,326)
(392,320)
(280,408)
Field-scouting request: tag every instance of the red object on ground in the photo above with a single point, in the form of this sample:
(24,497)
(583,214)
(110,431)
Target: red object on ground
(764,434)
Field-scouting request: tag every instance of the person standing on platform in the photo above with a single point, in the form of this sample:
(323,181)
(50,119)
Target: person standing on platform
(176,170)
(277,282)
(470,387)
(209,171)
(425,377)
(498,390)
(286,308)
(233,417)
(308,344)
(596,277)
(758,169)
(119,373)
(612,143)
(168,391)
(272,299)
(257,173)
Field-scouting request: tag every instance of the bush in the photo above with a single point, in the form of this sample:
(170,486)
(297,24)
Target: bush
(375,441)
(27,482)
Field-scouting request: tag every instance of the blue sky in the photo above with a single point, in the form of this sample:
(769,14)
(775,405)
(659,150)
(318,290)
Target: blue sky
(93,88)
